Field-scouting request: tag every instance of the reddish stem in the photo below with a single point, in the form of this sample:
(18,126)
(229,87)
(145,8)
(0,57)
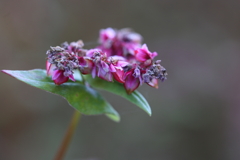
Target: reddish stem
(68,136)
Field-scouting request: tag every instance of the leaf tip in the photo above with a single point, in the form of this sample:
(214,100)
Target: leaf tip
(149,111)
(114,117)
(6,72)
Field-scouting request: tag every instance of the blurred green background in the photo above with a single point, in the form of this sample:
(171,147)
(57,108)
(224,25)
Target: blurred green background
(195,112)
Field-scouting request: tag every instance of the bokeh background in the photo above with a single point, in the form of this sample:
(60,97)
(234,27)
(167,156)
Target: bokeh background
(195,112)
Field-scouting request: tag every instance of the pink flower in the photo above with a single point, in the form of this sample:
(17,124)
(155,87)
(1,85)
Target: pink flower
(85,65)
(119,42)
(116,67)
(144,55)
(133,79)
(75,47)
(128,36)
(60,64)
(119,57)
(103,71)
(106,37)
(129,41)
(57,75)
(100,64)
(59,78)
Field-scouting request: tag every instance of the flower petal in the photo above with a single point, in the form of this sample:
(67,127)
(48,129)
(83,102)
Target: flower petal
(122,63)
(153,83)
(141,55)
(50,68)
(94,71)
(104,66)
(112,68)
(82,61)
(58,77)
(90,53)
(72,78)
(105,75)
(154,54)
(87,69)
(131,83)
(118,75)
(145,47)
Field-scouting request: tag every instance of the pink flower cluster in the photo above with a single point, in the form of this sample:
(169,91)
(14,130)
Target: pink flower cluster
(120,57)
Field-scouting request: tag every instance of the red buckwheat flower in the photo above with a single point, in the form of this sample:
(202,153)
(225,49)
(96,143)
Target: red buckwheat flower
(144,55)
(120,57)
(116,67)
(61,62)
(100,67)
(133,78)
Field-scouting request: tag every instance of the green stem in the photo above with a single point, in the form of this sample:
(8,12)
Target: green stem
(68,136)
(83,80)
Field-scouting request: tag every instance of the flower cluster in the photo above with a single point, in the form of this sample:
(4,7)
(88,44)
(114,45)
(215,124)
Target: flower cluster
(120,56)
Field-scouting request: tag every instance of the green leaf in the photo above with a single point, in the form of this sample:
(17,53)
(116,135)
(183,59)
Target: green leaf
(118,89)
(81,97)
